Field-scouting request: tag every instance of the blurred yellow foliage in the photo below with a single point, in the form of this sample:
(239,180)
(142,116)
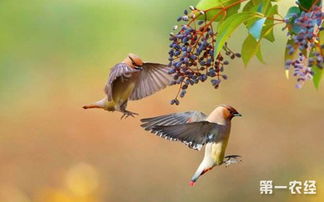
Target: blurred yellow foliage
(79,185)
(82,179)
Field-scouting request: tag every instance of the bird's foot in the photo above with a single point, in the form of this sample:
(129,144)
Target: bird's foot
(231,159)
(127,114)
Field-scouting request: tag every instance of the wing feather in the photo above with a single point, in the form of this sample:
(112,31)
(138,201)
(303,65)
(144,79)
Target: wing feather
(120,69)
(153,78)
(195,135)
(173,119)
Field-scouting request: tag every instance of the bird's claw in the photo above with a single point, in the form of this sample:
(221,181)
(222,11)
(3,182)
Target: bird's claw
(231,159)
(126,114)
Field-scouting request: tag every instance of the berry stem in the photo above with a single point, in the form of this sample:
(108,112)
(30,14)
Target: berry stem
(275,19)
(179,90)
(314,3)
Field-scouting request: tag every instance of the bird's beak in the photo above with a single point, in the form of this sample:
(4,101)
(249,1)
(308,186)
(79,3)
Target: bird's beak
(237,114)
(139,68)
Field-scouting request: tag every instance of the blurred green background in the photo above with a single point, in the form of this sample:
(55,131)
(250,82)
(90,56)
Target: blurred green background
(55,56)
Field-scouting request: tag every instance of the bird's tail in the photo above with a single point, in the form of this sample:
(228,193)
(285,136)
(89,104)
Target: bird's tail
(99,104)
(205,166)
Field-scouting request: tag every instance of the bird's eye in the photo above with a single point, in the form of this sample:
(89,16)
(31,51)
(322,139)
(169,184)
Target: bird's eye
(133,63)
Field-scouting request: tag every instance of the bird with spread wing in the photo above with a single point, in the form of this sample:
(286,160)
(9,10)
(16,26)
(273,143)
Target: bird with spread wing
(132,79)
(195,129)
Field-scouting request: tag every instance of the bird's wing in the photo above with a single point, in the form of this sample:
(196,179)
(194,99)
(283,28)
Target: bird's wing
(152,78)
(120,69)
(173,119)
(195,135)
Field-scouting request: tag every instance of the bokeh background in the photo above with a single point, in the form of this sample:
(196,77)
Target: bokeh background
(55,56)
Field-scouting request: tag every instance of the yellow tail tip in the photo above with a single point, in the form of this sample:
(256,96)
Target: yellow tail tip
(287,73)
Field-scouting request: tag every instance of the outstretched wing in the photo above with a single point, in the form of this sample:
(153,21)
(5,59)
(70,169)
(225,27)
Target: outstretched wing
(173,119)
(195,135)
(120,69)
(152,78)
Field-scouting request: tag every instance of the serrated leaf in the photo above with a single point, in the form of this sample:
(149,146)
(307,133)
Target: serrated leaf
(256,28)
(249,49)
(228,27)
(318,74)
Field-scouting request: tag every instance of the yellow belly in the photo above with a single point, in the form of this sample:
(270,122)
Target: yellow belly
(218,151)
(121,92)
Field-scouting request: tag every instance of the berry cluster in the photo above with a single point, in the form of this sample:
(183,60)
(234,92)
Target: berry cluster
(191,54)
(304,32)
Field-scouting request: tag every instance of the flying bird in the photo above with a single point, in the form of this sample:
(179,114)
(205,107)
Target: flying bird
(132,79)
(195,129)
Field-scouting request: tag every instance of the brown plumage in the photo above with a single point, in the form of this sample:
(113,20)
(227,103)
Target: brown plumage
(132,79)
(195,129)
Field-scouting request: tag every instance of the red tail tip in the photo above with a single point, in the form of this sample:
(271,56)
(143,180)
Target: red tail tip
(192,183)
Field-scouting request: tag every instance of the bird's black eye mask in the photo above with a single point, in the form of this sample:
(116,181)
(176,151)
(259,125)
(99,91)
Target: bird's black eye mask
(133,63)
(233,111)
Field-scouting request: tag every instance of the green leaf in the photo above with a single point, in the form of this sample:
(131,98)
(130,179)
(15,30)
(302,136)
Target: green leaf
(291,11)
(217,6)
(233,10)
(265,6)
(228,27)
(267,31)
(249,49)
(294,10)
(259,54)
(256,28)
(307,4)
(318,73)
(267,9)
(250,6)
(250,41)
(269,24)
(208,4)
(272,11)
